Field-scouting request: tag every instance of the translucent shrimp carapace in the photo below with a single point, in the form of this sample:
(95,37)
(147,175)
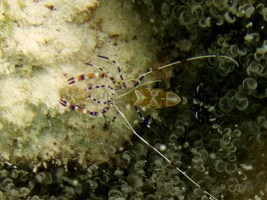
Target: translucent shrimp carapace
(155,98)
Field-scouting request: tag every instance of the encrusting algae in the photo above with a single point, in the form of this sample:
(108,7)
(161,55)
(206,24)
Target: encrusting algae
(43,43)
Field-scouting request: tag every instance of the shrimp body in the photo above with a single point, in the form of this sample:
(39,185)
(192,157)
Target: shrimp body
(155,98)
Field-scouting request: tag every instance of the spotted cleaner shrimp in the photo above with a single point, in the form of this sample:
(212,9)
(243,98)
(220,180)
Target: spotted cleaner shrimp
(139,95)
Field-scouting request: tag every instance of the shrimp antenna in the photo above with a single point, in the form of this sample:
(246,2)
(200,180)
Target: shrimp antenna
(143,140)
(190,59)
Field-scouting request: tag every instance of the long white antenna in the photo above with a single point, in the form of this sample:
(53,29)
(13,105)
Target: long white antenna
(143,140)
(190,59)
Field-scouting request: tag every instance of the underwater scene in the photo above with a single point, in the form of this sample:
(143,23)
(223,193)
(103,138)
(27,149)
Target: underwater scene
(133,100)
